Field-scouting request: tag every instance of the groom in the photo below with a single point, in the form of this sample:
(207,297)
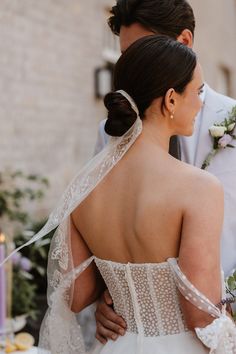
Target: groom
(131,20)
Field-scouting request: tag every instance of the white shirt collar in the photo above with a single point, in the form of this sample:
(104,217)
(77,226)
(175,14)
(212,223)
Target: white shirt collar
(203,94)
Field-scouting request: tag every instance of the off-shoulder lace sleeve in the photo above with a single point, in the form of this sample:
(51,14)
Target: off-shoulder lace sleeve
(220,335)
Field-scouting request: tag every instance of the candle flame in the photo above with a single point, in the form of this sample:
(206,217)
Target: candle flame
(2,238)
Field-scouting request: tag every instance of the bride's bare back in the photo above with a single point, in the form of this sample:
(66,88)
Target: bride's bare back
(135,214)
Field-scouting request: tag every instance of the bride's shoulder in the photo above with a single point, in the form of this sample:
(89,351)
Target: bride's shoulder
(200,182)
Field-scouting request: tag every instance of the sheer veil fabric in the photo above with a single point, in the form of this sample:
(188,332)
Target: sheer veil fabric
(60,332)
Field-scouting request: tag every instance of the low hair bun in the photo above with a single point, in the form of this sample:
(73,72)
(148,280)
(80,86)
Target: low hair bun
(121,115)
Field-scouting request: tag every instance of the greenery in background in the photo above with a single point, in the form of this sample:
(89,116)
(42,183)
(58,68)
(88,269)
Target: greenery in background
(23,295)
(17,190)
(37,253)
(231,288)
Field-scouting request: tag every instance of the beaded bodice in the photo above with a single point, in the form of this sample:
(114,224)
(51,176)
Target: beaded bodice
(145,295)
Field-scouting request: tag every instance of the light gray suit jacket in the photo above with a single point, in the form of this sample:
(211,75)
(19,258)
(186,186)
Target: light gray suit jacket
(194,150)
(216,108)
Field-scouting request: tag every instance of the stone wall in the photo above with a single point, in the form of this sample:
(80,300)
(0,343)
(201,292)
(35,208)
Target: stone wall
(215,40)
(48,113)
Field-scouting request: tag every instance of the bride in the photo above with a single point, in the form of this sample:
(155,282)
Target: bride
(140,222)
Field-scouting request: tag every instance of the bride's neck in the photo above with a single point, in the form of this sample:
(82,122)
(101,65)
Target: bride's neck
(156,131)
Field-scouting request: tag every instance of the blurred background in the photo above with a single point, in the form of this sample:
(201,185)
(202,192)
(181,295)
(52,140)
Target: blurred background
(56,61)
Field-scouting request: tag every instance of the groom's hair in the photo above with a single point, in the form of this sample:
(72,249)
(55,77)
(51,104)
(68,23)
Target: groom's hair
(168,17)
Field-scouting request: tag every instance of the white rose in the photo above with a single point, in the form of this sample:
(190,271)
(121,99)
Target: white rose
(231,127)
(217,131)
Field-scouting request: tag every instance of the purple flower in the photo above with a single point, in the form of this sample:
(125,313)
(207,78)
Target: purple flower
(225,140)
(16,258)
(25,264)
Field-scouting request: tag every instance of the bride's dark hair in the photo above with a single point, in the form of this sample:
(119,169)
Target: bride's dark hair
(146,71)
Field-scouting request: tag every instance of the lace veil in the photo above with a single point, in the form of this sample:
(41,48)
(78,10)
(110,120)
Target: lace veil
(60,331)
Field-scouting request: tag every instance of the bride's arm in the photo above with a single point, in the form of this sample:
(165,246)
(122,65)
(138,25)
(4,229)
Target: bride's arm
(89,285)
(199,256)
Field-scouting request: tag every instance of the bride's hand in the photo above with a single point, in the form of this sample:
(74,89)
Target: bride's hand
(109,324)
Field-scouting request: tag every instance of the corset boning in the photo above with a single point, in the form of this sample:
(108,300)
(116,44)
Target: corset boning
(145,295)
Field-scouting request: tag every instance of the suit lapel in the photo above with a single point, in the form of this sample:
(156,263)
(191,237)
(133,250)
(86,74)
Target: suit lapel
(212,112)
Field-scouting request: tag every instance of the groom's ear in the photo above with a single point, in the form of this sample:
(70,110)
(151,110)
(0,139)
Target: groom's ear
(186,37)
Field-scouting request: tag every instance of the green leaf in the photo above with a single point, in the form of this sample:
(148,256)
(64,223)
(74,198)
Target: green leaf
(26,275)
(17,174)
(32,177)
(42,252)
(45,181)
(231,282)
(41,270)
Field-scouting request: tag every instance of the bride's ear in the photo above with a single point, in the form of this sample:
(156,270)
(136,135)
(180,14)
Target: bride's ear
(170,102)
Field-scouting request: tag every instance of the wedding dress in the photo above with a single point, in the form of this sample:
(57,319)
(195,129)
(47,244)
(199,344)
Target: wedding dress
(145,295)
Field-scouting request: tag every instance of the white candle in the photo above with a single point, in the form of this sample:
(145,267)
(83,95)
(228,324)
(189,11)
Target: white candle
(2,285)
